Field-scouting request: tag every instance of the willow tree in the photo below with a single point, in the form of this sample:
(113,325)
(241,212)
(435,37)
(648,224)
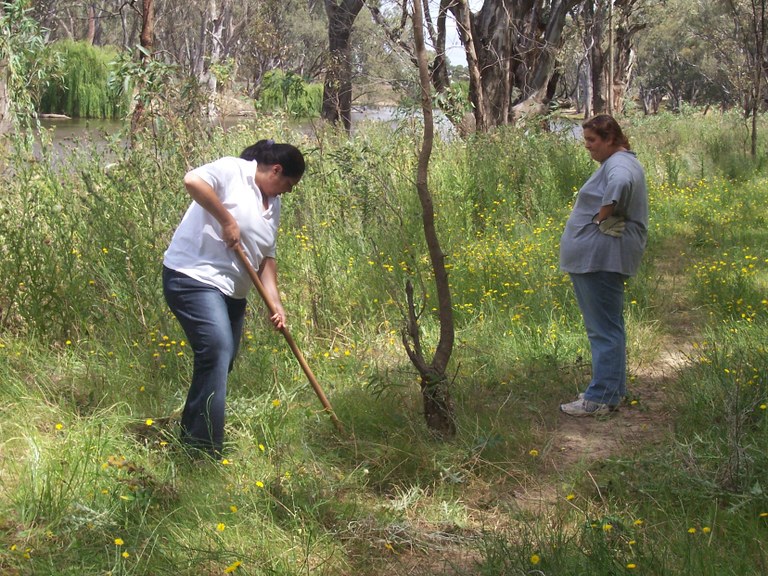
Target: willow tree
(82,87)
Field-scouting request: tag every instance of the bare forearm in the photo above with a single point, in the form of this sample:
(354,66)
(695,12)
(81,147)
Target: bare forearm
(202,193)
(268,276)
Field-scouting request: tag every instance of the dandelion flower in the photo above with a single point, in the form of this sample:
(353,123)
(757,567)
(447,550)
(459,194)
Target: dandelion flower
(232,567)
(125,554)
(691,530)
(276,402)
(259,484)
(638,522)
(706,530)
(631,566)
(534,453)
(225,462)
(233,509)
(261,447)
(220,527)
(763,514)
(535,559)
(149,422)
(119,542)
(570,497)
(607,527)
(59,426)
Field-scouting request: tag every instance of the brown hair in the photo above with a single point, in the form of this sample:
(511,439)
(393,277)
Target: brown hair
(607,128)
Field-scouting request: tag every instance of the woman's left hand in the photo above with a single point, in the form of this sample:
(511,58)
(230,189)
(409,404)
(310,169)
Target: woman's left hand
(278,318)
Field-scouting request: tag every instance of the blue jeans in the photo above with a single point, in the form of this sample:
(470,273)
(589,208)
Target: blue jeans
(601,299)
(213,323)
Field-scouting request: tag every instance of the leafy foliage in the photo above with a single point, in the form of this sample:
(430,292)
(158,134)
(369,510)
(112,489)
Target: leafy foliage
(289,92)
(92,365)
(83,88)
(23,59)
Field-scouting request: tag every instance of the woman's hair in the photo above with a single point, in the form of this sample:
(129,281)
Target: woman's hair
(269,153)
(607,128)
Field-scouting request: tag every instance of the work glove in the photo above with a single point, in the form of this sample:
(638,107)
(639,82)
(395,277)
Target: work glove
(612,226)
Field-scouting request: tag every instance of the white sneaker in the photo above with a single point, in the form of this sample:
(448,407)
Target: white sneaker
(583,407)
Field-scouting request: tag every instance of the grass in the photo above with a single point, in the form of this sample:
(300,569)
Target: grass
(94,370)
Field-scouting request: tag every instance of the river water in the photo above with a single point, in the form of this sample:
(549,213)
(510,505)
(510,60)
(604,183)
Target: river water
(67,133)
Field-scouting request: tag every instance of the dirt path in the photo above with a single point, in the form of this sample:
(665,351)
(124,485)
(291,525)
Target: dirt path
(580,443)
(574,443)
(643,422)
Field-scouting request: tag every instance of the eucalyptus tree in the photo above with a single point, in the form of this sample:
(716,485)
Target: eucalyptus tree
(337,89)
(750,24)
(22,65)
(687,56)
(610,30)
(511,49)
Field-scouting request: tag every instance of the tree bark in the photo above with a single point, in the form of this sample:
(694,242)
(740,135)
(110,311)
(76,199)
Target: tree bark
(595,26)
(147,40)
(5,100)
(512,47)
(90,35)
(219,21)
(337,88)
(438,409)
(629,22)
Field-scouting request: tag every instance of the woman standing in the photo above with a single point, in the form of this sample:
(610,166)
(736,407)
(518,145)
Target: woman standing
(236,201)
(602,245)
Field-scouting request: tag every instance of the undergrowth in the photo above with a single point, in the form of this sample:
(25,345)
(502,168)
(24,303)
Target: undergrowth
(94,369)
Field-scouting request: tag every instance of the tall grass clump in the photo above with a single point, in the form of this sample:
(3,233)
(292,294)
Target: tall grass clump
(82,88)
(678,148)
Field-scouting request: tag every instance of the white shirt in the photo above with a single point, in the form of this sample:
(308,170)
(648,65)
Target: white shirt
(197,249)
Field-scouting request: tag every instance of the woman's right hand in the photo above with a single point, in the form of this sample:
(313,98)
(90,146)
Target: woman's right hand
(204,194)
(230,234)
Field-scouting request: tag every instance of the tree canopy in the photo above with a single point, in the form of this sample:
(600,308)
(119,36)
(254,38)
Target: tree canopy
(522,57)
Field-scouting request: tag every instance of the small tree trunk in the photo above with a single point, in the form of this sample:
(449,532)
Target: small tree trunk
(91,33)
(5,98)
(147,42)
(438,409)
(476,87)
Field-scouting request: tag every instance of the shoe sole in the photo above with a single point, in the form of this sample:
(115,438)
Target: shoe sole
(595,414)
(610,408)
(598,412)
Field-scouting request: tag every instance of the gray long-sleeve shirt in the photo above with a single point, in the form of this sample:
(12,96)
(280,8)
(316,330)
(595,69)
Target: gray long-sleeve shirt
(583,248)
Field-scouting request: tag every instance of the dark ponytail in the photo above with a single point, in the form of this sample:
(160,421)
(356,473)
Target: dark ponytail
(269,153)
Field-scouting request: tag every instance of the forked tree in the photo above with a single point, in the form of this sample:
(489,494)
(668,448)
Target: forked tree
(435,390)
